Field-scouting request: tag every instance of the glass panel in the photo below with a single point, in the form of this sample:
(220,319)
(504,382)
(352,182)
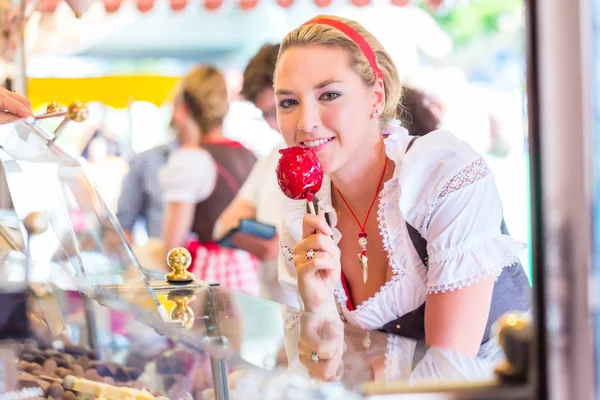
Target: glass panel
(83,236)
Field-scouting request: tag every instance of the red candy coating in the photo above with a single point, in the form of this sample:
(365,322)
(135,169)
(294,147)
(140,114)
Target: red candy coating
(299,173)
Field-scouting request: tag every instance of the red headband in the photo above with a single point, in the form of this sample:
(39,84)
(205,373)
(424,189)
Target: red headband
(355,37)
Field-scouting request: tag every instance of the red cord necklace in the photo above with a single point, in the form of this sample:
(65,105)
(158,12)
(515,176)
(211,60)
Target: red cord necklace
(362,235)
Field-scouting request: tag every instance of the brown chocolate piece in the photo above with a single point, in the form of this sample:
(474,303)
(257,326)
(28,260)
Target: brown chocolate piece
(83,361)
(35,367)
(133,372)
(62,361)
(78,370)
(26,348)
(107,369)
(62,372)
(40,360)
(28,357)
(92,374)
(69,395)
(27,381)
(56,390)
(122,375)
(108,380)
(32,368)
(52,353)
(44,385)
(68,358)
(50,366)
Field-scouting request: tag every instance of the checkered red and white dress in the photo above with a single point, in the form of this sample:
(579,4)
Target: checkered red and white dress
(230,268)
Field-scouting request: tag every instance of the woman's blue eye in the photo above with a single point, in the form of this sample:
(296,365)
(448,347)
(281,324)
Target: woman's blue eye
(287,103)
(328,96)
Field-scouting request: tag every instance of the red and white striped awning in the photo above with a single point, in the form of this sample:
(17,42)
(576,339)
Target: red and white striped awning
(80,6)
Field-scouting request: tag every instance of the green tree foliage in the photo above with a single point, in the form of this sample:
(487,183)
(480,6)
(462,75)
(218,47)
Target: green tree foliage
(477,17)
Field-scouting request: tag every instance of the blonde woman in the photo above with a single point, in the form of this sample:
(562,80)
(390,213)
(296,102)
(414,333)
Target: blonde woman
(202,177)
(425,211)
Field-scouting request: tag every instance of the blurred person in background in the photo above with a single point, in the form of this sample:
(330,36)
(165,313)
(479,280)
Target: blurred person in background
(107,168)
(202,176)
(260,197)
(419,113)
(141,195)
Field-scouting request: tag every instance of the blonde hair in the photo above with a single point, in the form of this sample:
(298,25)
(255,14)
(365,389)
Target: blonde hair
(325,35)
(204,92)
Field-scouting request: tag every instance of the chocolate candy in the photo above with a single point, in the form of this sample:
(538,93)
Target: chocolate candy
(132,372)
(55,390)
(50,366)
(69,395)
(78,370)
(108,380)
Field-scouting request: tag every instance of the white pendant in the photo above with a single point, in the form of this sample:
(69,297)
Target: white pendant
(364,266)
(362,242)
(367,341)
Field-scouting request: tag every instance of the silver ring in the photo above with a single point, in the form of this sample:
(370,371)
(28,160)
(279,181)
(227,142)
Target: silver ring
(310,254)
(314,357)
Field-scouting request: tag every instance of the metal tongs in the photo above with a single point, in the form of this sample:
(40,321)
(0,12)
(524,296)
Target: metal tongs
(77,112)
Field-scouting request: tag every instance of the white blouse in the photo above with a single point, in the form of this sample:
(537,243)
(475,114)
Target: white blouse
(444,189)
(189,176)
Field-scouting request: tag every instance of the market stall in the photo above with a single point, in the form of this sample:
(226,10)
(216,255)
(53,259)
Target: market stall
(178,337)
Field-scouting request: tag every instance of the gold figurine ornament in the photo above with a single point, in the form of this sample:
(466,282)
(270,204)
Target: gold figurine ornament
(182,312)
(179,260)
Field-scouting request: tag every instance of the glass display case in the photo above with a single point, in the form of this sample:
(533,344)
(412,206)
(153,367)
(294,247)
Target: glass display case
(101,326)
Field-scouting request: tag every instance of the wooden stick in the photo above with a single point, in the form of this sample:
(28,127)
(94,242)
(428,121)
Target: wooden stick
(311,207)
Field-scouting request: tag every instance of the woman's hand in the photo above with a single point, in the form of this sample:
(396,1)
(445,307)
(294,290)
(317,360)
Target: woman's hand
(321,345)
(13,106)
(317,262)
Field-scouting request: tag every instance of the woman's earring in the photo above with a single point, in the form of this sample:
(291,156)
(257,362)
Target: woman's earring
(375,114)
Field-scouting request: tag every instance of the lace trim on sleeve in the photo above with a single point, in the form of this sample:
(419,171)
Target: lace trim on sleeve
(459,285)
(286,252)
(291,321)
(472,173)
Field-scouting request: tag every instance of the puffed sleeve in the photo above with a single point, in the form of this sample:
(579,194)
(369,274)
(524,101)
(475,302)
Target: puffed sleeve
(450,196)
(189,176)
